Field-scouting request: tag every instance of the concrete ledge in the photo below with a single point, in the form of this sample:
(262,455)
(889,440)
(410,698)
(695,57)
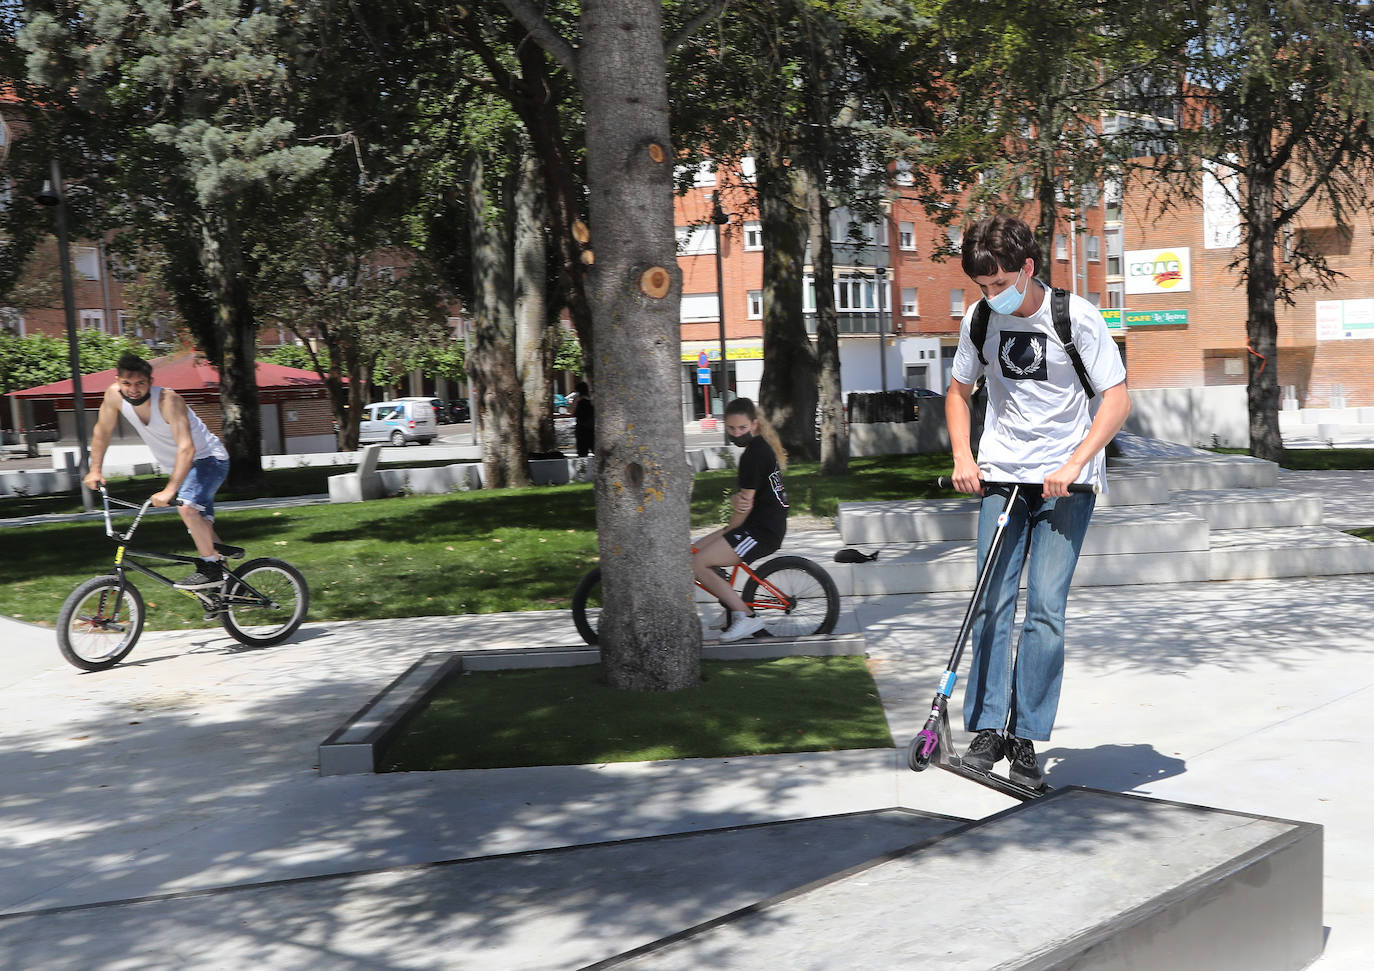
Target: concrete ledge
(1119,882)
(352,747)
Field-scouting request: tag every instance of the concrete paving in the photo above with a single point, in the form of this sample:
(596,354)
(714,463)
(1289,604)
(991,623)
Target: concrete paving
(168,812)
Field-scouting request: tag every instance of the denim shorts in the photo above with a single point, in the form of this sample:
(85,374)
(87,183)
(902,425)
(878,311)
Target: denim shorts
(198,490)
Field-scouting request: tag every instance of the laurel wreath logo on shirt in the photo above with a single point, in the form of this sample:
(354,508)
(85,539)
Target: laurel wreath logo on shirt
(1036,360)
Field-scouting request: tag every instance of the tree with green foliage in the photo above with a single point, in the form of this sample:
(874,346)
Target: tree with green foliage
(650,633)
(1275,108)
(181,119)
(1024,87)
(27,362)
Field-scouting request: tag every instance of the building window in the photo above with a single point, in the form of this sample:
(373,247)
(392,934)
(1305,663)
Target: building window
(695,240)
(753,235)
(1094,245)
(906,236)
(909,306)
(93,320)
(705,173)
(956,303)
(86,262)
(386,274)
(700,306)
(1094,298)
(1113,200)
(1116,295)
(955,234)
(1061,246)
(856,294)
(748,168)
(755,300)
(1114,252)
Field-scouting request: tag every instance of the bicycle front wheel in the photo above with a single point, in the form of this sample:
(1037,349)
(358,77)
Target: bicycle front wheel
(796,597)
(100,623)
(586,606)
(264,602)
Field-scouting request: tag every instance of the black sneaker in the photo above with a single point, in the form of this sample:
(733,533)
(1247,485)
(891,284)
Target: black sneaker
(1025,768)
(985,751)
(209,575)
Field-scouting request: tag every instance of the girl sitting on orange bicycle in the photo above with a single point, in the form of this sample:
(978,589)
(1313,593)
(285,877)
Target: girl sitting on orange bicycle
(758,523)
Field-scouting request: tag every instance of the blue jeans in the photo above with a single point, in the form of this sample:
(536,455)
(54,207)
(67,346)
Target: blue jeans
(1020,691)
(198,488)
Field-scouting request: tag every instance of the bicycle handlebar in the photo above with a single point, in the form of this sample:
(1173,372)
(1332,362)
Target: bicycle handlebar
(945,482)
(106,499)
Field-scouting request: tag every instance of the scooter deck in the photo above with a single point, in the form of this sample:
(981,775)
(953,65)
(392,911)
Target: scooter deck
(1000,783)
(947,760)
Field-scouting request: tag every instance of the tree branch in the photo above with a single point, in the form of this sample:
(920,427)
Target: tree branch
(544,33)
(704,16)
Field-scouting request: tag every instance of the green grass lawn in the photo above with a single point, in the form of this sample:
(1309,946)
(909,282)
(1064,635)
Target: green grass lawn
(565,716)
(472,552)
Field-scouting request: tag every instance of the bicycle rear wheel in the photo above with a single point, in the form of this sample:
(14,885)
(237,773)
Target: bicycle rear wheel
(264,602)
(798,597)
(586,606)
(100,622)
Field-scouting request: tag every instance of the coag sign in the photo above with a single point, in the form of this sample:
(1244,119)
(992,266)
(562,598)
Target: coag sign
(1157,271)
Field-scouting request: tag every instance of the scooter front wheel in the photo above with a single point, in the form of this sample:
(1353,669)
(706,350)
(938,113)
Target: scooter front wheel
(922,750)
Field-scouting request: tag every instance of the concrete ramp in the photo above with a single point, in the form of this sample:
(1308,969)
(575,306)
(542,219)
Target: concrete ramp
(1080,878)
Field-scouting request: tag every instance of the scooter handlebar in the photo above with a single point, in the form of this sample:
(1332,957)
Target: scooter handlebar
(945,482)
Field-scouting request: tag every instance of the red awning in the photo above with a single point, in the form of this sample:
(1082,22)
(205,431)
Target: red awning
(186,373)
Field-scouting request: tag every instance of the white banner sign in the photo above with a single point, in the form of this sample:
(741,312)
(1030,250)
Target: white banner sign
(1158,271)
(1345,320)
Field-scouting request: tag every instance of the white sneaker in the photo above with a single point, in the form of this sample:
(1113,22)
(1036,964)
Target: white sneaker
(742,626)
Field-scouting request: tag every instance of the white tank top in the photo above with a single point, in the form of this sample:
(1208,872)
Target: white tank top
(157,434)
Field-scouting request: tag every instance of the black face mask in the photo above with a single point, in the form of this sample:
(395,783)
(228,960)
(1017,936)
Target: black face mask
(137,401)
(740,440)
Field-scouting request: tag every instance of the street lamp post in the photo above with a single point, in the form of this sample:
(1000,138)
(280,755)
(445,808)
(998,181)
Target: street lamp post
(719,219)
(54,195)
(881,273)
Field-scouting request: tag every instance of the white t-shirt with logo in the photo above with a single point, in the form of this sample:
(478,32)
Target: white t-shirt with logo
(1038,412)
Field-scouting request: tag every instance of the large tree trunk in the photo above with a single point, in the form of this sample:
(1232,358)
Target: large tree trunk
(832,430)
(1261,284)
(650,633)
(536,335)
(563,196)
(233,349)
(491,357)
(788,390)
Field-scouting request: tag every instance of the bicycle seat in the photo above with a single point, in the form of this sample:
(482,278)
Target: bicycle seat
(233,552)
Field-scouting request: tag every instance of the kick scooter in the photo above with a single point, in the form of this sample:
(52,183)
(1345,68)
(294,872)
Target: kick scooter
(932,746)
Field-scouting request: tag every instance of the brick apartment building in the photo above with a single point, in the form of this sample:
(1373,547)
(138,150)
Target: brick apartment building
(1167,284)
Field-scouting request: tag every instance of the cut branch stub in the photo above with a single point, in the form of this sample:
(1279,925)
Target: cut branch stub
(580,232)
(588,257)
(655,282)
(657,153)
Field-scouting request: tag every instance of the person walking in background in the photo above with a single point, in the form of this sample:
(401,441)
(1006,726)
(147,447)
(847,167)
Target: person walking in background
(584,420)
(1042,426)
(180,442)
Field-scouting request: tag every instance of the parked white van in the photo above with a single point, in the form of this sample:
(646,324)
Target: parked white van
(399,422)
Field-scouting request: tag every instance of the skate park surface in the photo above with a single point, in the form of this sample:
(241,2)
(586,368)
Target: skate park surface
(168,813)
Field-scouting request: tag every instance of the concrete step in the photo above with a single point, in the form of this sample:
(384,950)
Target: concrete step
(1248,508)
(1204,471)
(1300,551)
(1080,878)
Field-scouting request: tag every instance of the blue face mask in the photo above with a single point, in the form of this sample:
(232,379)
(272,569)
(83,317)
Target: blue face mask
(1008,300)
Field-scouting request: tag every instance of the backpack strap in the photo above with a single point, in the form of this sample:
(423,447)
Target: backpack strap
(978,328)
(1059,310)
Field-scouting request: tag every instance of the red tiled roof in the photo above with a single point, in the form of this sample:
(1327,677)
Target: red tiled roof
(184,372)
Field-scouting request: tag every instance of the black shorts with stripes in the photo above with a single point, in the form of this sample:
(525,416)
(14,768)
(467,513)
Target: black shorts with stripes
(750,543)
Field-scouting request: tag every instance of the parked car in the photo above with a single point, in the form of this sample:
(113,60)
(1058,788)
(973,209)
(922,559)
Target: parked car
(399,422)
(458,410)
(561,405)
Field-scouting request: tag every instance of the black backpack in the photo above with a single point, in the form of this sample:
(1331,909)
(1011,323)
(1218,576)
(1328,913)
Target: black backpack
(1059,310)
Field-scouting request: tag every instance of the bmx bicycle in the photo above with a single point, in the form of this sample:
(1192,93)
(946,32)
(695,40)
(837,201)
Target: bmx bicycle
(260,603)
(796,597)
